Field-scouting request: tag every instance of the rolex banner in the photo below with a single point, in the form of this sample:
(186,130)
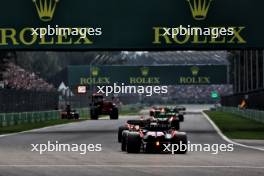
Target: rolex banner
(134,24)
(151,75)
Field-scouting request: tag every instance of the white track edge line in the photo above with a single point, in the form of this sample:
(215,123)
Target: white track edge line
(140,166)
(219,132)
(45,128)
(37,129)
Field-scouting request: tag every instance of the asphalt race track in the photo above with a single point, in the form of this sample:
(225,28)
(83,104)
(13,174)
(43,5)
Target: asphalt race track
(17,159)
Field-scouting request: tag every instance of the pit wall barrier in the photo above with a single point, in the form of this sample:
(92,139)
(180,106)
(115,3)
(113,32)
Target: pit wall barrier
(84,113)
(256,115)
(12,119)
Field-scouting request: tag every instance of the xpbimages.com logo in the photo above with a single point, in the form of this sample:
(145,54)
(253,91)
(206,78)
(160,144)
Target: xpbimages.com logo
(191,147)
(56,146)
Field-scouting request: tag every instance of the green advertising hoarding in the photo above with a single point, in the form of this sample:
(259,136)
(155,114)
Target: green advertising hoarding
(215,95)
(147,75)
(136,24)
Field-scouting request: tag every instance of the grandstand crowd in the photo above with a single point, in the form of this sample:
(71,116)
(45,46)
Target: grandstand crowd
(17,78)
(198,92)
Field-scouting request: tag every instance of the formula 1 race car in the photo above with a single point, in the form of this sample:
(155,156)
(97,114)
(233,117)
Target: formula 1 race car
(130,126)
(181,110)
(152,137)
(68,113)
(178,110)
(168,113)
(99,107)
(169,118)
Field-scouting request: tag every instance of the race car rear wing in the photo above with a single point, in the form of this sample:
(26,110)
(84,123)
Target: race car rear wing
(141,123)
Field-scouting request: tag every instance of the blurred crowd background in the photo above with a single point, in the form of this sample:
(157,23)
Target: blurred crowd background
(26,77)
(18,78)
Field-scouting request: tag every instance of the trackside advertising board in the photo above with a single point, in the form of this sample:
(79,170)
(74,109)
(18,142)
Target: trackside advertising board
(135,24)
(152,75)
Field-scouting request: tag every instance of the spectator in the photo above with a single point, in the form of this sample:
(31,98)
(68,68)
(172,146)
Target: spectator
(16,77)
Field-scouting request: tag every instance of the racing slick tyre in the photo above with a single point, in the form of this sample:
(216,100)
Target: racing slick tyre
(120,131)
(114,114)
(94,114)
(133,142)
(181,117)
(124,141)
(175,124)
(180,140)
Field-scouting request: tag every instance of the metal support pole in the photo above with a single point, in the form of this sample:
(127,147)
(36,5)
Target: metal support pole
(239,72)
(245,72)
(235,72)
(262,69)
(252,79)
(257,70)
